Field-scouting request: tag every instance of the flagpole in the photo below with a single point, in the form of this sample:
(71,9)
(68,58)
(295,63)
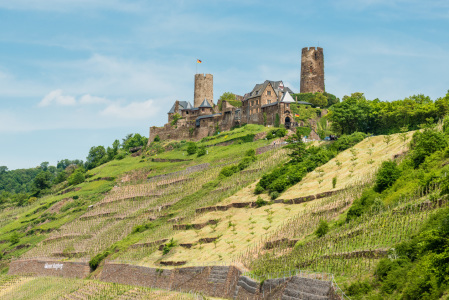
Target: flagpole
(196,70)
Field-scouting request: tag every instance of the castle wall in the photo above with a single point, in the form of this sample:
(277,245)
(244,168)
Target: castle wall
(312,70)
(37,267)
(204,89)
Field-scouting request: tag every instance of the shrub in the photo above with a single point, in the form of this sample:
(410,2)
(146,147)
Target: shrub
(97,259)
(334,182)
(201,151)
(142,228)
(362,204)
(260,202)
(229,170)
(157,138)
(250,152)
(77,177)
(274,195)
(387,175)
(359,288)
(245,162)
(322,229)
(281,132)
(167,247)
(258,190)
(120,156)
(249,138)
(269,136)
(14,239)
(303,131)
(191,148)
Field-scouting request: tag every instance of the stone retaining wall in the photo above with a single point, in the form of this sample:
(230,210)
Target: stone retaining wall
(214,281)
(36,267)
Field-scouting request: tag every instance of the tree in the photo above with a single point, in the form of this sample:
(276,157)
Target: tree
(77,177)
(425,143)
(95,156)
(135,141)
(351,115)
(297,145)
(387,175)
(42,182)
(319,100)
(3,169)
(44,165)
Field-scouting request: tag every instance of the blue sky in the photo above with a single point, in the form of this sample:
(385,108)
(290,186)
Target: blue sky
(79,73)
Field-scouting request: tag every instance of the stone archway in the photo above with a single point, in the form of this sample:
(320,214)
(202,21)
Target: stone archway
(287,123)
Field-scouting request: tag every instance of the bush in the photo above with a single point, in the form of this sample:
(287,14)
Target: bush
(142,228)
(120,156)
(245,162)
(167,247)
(191,148)
(281,132)
(201,151)
(77,177)
(260,202)
(258,190)
(359,288)
(274,195)
(362,204)
(250,152)
(14,239)
(269,136)
(97,259)
(322,229)
(387,175)
(425,143)
(334,182)
(249,138)
(303,131)
(229,170)
(157,138)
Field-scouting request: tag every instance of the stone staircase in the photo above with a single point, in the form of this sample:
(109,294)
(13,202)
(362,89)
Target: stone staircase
(307,289)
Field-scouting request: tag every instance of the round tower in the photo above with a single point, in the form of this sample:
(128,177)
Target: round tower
(204,89)
(312,70)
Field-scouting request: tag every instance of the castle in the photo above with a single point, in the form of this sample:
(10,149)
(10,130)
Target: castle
(268,103)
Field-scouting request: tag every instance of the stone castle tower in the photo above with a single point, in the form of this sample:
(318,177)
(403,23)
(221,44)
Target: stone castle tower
(312,70)
(204,89)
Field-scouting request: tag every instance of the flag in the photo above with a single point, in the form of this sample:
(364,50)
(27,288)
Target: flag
(198,61)
(296,115)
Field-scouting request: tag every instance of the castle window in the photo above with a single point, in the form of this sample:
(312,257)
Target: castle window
(269,93)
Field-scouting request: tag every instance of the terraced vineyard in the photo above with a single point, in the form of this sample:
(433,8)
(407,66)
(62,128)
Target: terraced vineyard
(170,211)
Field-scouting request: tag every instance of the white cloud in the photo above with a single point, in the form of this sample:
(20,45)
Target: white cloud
(88,99)
(134,110)
(58,98)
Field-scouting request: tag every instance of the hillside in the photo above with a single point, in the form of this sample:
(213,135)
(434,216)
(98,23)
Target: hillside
(167,210)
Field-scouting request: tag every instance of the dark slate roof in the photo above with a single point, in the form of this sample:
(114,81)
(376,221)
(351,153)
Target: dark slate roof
(182,105)
(207,116)
(259,88)
(205,104)
(270,104)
